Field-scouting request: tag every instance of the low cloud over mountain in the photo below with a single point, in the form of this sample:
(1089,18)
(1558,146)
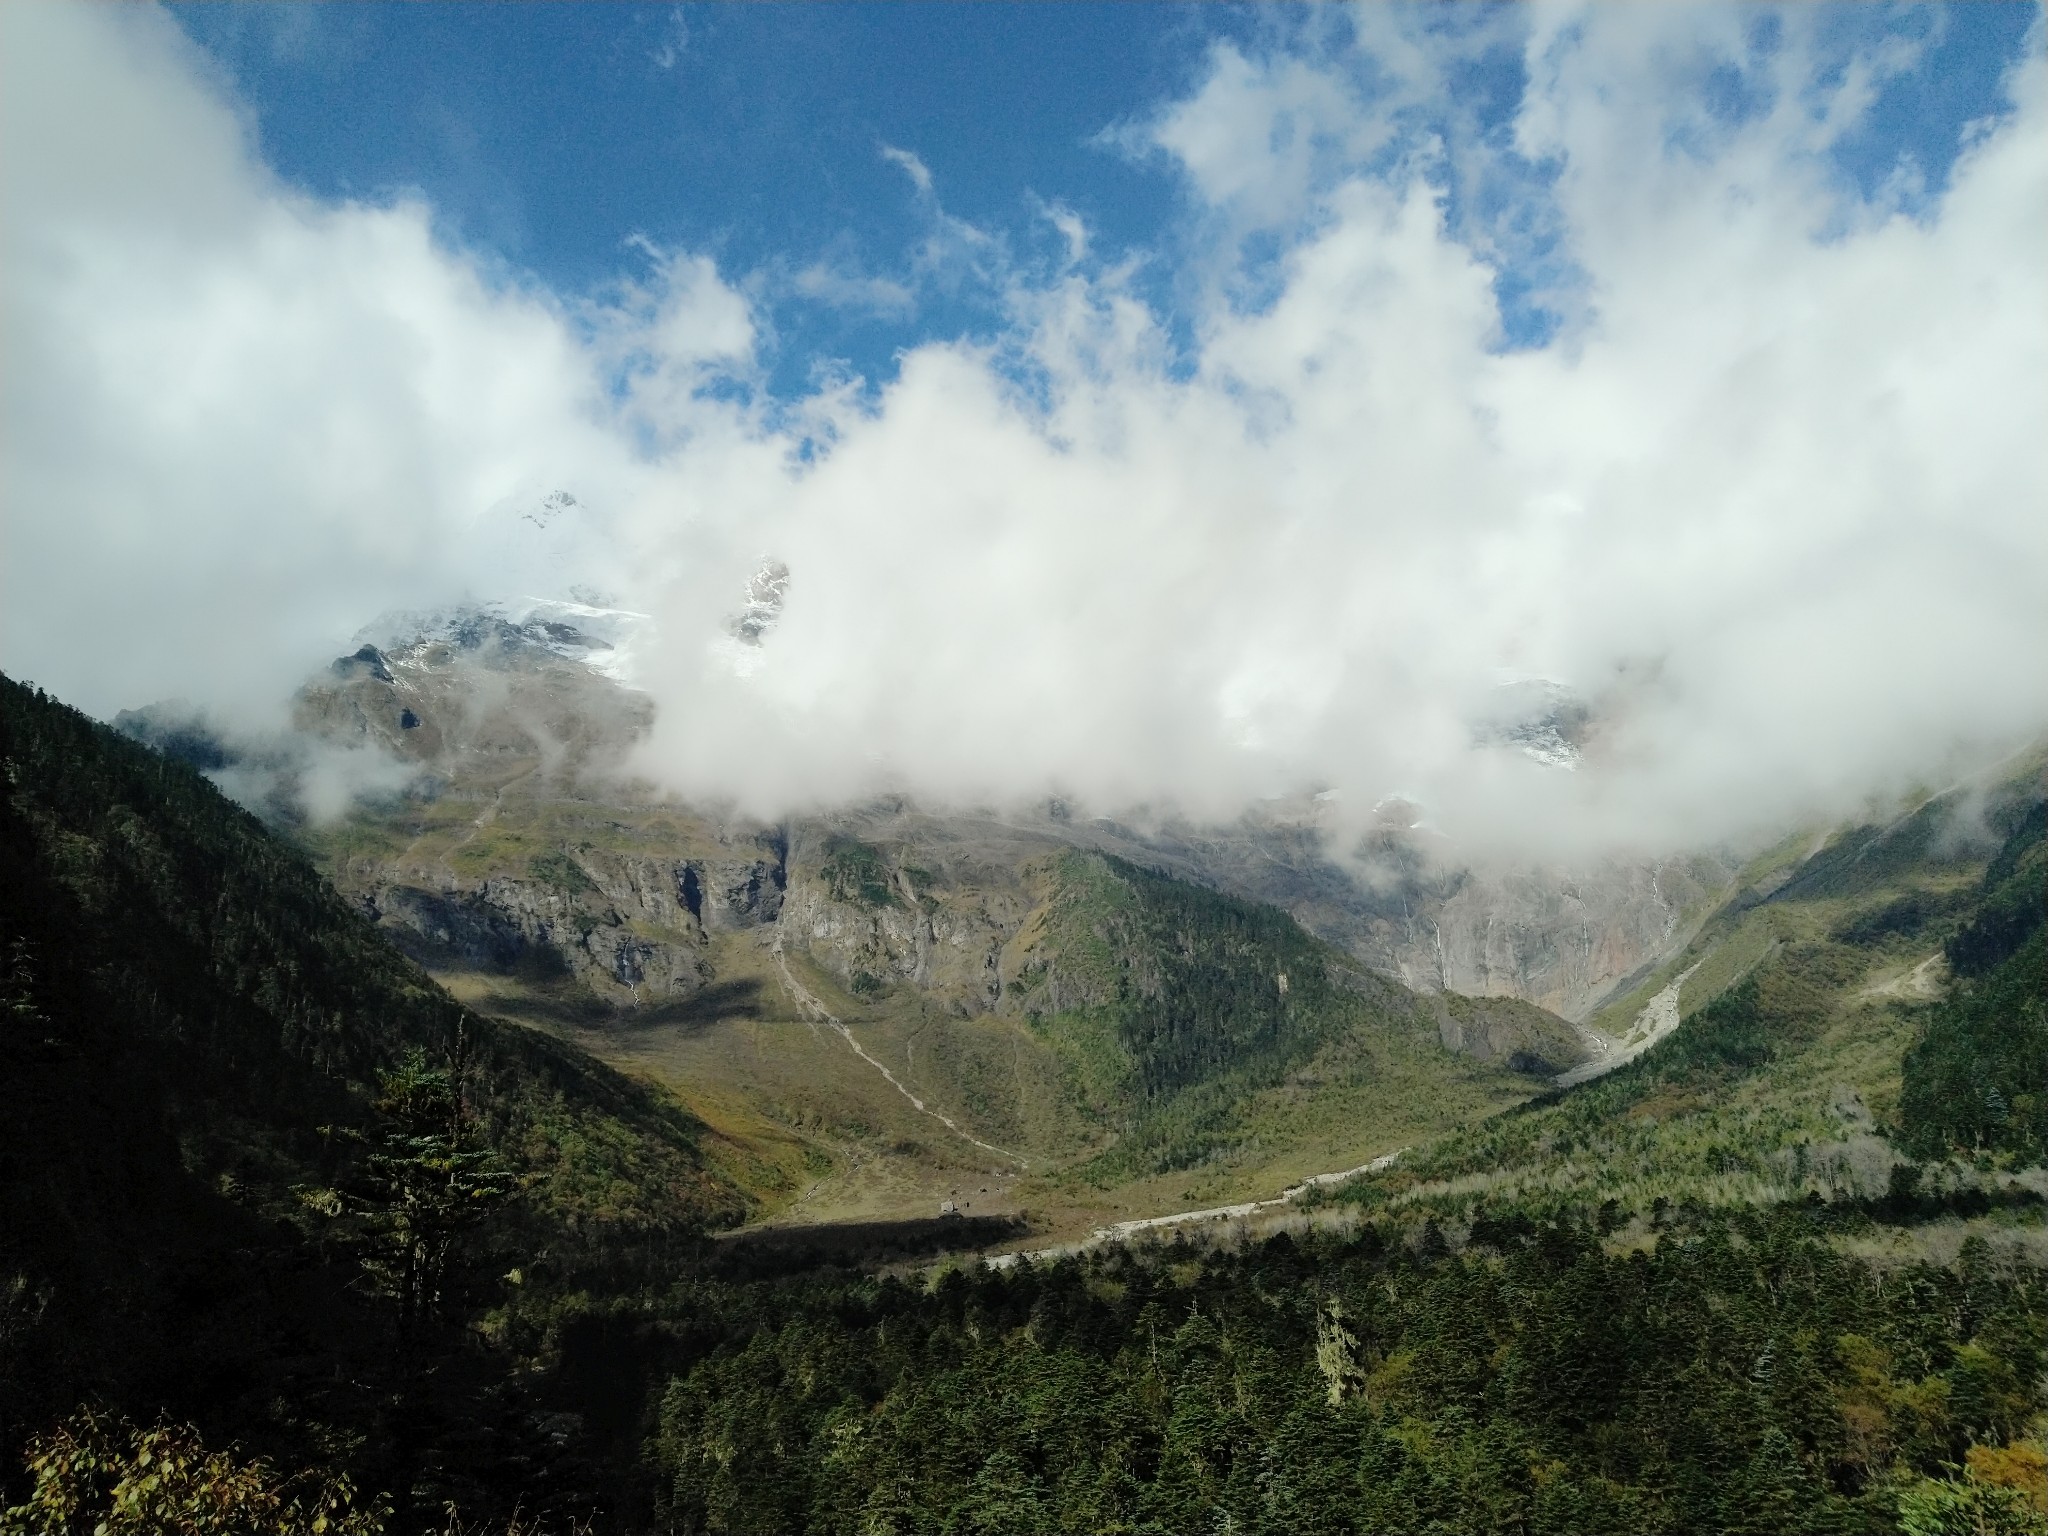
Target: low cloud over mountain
(1763,489)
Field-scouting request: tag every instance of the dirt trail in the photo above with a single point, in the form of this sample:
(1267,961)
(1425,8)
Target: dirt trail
(817,1011)
(1922,984)
(1658,1019)
(1123,1231)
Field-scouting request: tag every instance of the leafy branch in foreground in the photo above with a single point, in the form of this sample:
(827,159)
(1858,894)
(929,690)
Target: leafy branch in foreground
(101,1476)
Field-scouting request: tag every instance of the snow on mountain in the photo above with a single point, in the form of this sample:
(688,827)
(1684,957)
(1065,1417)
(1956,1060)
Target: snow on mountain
(582,628)
(1544,720)
(766,592)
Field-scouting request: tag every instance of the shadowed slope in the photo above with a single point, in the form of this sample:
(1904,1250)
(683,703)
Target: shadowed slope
(192,1029)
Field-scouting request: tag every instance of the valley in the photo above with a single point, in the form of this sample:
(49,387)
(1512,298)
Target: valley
(1023,770)
(771,1093)
(886,1010)
(883,1008)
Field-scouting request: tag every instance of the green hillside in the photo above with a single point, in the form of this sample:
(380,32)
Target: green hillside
(1138,1041)
(1977,1077)
(1196,1025)
(230,1107)
(1881,999)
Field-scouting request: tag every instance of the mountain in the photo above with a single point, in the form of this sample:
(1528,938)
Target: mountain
(513,694)
(1780,1272)
(944,948)
(867,1002)
(201,1045)
(1775,1265)
(1566,938)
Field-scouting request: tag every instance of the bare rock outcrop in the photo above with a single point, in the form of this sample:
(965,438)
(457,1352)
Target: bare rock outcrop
(620,927)
(944,941)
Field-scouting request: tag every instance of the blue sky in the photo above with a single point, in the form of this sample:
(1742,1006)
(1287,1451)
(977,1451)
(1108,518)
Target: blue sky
(547,135)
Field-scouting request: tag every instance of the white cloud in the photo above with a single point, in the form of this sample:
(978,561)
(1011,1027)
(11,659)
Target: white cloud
(911,165)
(239,423)
(828,284)
(1774,498)
(675,40)
(1254,137)
(1072,228)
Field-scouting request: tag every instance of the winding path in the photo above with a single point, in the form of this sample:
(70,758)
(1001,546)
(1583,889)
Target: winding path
(808,1002)
(1122,1231)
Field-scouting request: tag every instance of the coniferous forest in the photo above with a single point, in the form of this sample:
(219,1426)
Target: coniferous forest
(291,1241)
(1739,1376)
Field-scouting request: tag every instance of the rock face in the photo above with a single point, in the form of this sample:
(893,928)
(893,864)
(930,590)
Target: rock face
(627,944)
(631,929)
(1563,939)
(933,911)
(767,592)
(1543,720)
(955,892)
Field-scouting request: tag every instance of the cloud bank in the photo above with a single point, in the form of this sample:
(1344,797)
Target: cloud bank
(1770,495)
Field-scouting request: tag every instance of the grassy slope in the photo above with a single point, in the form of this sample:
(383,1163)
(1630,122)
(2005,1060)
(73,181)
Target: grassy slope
(1212,1075)
(1807,990)
(475,835)
(1145,1057)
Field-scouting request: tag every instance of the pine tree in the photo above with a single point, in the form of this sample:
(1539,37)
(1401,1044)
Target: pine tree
(424,1182)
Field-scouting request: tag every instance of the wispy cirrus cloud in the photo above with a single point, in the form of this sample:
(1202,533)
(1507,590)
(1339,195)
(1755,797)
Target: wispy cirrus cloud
(674,41)
(837,286)
(911,165)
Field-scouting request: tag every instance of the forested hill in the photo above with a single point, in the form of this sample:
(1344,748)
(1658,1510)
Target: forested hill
(1196,1024)
(1702,1295)
(1978,1076)
(202,1052)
